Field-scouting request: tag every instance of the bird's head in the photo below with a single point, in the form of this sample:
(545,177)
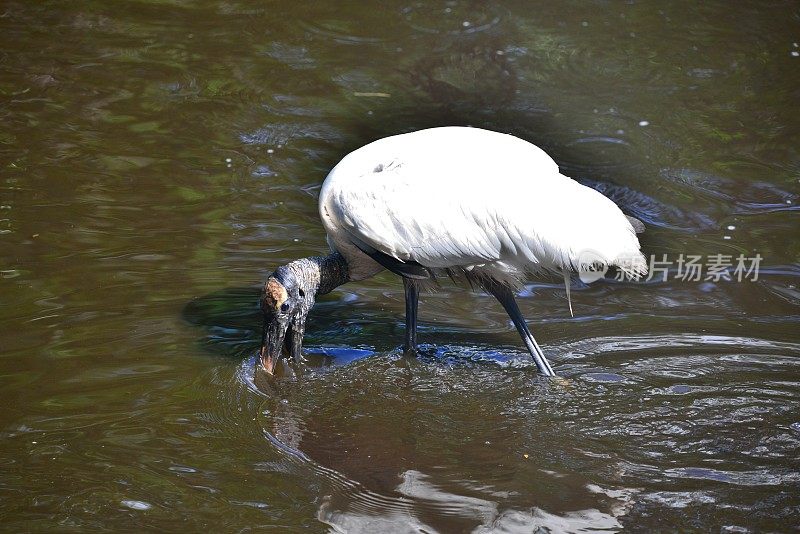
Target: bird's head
(287,298)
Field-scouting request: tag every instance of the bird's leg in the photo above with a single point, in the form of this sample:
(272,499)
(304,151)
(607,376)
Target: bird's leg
(506,297)
(412,302)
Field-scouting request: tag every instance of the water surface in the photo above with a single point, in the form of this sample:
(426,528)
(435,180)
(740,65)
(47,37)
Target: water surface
(159,159)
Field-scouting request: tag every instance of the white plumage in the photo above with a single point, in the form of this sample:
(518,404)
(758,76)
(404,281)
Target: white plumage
(466,198)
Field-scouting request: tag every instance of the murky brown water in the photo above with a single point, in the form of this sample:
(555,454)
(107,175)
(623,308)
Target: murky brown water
(158,159)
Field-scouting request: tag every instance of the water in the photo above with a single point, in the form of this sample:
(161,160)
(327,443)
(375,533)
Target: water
(160,158)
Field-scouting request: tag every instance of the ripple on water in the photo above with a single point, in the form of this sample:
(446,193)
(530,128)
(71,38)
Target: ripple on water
(295,56)
(592,154)
(356,429)
(652,211)
(745,197)
(345,31)
(282,133)
(742,478)
(603,377)
(453,16)
(139,506)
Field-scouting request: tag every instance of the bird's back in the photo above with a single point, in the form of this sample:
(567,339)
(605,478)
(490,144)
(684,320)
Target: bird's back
(471,199)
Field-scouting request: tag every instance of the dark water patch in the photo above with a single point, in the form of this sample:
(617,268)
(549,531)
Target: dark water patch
(652,211)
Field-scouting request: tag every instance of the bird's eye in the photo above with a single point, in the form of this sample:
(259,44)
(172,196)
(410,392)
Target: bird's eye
(302,293)
(285,307)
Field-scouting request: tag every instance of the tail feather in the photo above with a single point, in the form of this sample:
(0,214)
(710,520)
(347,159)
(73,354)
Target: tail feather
(635,266)
(638,226)
(566,284)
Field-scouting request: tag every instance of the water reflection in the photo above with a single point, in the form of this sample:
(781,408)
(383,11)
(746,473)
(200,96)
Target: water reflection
(394,471)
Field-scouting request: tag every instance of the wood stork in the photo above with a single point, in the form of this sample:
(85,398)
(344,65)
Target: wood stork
(457,201)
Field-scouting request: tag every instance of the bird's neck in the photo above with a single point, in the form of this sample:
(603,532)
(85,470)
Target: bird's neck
(333,272)
(322,274)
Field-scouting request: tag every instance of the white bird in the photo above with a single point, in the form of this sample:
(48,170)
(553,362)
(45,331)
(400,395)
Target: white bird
(456,201)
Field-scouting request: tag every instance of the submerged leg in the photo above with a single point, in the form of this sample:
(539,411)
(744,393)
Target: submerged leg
(506,297)
(412,302)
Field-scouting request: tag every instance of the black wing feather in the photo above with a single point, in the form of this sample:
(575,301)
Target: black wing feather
(406,269)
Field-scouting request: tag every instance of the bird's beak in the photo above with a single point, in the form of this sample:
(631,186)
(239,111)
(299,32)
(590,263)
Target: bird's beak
(294,339)
(272,343)
(281,339)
